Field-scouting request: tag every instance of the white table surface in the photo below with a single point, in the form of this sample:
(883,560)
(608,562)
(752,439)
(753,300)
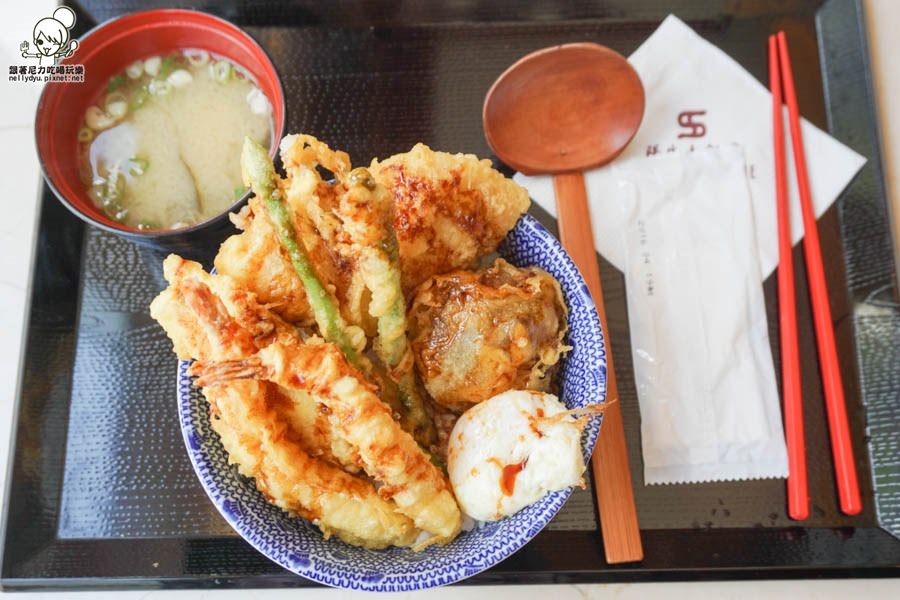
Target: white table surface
(19,190)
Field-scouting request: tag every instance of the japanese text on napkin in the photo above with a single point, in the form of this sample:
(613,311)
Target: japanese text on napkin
(700,344)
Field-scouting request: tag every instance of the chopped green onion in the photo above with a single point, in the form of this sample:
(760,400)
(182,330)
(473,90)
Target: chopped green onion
(197,58)
(220,71)
(117,110)
(259,104)
(139,98)
(168,65)
(115,83)
(239,192)
(152,65)
(85,134)
(98,120)
(159,87)
(180,78)
(137,165)
(116,105)
(135,69)
(113,98)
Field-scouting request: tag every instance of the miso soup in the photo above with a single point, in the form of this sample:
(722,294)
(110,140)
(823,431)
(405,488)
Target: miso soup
(161,149)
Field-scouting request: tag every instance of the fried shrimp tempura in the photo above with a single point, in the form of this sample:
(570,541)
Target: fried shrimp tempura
(389,454)
(451,210)
(268,450)
(202,314)
(210,319)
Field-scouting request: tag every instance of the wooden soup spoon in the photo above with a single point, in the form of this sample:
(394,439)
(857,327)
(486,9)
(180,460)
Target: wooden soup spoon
(559,111)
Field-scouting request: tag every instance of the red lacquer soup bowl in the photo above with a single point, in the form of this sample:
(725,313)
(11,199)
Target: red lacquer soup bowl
(106,51)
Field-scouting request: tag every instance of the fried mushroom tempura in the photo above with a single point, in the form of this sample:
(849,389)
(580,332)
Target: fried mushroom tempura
(388,454)
(476,334)
(451,210)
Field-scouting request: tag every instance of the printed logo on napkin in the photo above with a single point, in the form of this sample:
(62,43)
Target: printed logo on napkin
(699,97)
(51,41)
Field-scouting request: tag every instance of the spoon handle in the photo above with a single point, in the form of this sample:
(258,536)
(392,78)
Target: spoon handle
(612,477)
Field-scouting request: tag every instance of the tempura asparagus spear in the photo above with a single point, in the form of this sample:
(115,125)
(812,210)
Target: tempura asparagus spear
(259,174)
(366,212)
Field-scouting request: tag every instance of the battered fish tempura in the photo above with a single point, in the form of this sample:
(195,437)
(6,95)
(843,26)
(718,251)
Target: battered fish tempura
(451,210)
(268,450)
(299,412)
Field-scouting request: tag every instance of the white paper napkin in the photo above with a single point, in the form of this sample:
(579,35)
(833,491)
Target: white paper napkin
(694,89)
(679,212)
(700,345)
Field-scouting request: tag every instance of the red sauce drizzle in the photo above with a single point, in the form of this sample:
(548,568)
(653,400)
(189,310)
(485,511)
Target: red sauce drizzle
(508,478)
(533,425)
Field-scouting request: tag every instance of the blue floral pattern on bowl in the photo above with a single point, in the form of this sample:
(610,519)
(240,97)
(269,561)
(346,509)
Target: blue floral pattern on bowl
(299,547)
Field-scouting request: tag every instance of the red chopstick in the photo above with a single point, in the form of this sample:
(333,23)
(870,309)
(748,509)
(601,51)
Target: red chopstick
(797,488)
(841,446)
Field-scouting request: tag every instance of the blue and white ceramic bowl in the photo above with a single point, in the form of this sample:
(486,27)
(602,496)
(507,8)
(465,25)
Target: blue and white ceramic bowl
(298,545)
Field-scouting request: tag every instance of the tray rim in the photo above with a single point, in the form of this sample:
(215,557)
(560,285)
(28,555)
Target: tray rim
(585,541)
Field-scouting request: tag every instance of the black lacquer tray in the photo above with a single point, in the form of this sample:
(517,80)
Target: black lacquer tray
(101,493)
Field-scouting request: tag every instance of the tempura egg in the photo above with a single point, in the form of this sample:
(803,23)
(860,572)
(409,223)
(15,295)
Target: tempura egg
(512,449)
